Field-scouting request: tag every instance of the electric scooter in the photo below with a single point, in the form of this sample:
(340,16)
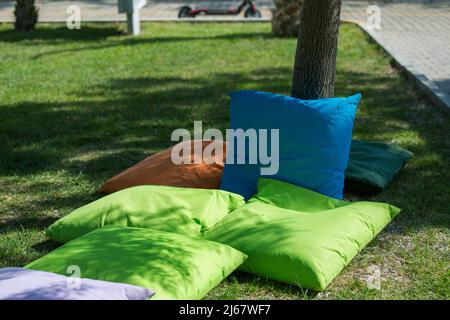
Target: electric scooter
(250,12)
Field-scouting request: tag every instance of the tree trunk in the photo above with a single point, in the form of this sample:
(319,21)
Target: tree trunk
(315,59)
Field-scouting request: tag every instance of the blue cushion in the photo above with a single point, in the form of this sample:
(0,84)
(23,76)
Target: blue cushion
(314,141)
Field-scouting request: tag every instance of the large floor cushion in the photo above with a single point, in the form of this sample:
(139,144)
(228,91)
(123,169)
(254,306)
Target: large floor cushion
(307,248)
(180,210)
(174,266)
(373,165)
(200,168)
(25,284)
(312,149)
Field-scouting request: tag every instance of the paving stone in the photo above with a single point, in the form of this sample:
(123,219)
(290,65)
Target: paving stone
(417,36)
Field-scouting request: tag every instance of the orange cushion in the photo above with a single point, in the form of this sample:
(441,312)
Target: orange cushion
(159,169)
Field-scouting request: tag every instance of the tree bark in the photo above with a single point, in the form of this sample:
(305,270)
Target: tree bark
(315,59)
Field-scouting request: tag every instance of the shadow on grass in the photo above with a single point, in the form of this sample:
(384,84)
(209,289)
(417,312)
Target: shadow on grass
(146,118)
(92,34)
(134,41)
(50,35)
(270,288)
(46,246)
(27,223)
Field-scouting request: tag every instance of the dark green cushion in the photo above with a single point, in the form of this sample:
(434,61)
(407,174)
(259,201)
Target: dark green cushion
(373,165)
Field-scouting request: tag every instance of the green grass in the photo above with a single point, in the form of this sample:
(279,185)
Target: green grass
(80,106)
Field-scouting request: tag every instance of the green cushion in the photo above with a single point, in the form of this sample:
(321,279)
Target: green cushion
(181,210)
(172,265)
(307,247)
(289,196)
(373,165)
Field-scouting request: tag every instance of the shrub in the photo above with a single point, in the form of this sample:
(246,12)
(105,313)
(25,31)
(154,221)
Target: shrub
(286,17)
(26,15)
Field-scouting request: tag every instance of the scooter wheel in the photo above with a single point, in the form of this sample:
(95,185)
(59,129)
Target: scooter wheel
(185,12)
(249,13)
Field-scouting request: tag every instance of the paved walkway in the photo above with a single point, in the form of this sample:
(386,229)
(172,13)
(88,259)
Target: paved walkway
(417,36)
(416,33)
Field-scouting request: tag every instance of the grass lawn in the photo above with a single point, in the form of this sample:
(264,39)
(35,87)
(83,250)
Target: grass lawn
(80,106)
